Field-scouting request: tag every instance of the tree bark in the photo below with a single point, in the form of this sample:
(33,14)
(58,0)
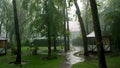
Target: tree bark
(48,25)
(54,41)
(1,26)
(18,58)
(49,42)
(101,55)
(65,42)
(64,31)
(86,17)
(82,29)
(0,29)
(68,39)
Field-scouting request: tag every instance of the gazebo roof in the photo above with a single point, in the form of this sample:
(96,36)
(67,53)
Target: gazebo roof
(2,38)
(92,34)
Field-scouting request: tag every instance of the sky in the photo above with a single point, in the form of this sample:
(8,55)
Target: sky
(74,24)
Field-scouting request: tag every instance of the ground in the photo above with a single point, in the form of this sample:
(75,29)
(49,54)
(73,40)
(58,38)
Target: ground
(111,60)
(38,61)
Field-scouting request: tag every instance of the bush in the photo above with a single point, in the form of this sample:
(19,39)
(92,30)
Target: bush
(77,41)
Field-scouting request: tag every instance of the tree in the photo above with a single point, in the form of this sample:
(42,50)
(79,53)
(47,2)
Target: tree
(64,31)
(18,58)
(67,29)
(86,16)
(53,19)
(82,29)
(101,55)
(111,18)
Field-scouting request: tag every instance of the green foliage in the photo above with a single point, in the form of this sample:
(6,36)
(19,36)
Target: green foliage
(77,41)
(26,43)
(32,18)
(111,16)
(67,33)
(14,51)
(44,42)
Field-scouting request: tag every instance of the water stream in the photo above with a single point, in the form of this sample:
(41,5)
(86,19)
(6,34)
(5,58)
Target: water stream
(71,59)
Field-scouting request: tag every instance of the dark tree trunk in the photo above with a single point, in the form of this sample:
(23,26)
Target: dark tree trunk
(86,17)
(101,55)
(54,37)
(0,29)
(54,41)
(48,29)
(18,58)
(1,26)
(65,42)
(68,39)
(82,29)
(49,43)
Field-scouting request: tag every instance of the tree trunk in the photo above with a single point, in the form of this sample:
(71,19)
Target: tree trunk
(65,42)
(49,43)
(101,55)
(54,41)
(48,29)
(18,58)
(0,29)
(1,26)
(82,29)
(54,37)
(86,17)
(68,39)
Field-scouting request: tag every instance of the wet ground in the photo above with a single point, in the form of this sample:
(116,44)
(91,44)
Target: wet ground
(71,59)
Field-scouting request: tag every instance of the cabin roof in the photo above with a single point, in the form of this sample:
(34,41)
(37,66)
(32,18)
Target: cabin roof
(2,38)
(92,34)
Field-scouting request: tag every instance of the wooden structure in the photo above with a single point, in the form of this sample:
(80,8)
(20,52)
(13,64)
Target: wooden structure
(92,43)
(3,46)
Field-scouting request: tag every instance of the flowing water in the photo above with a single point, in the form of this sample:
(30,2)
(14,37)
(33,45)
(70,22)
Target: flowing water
(71,59)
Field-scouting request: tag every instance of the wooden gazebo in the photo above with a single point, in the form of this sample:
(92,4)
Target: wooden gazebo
(92,43)
(3,45)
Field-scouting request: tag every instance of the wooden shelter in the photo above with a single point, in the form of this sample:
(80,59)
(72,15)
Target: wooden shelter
(3,45)
(92,43)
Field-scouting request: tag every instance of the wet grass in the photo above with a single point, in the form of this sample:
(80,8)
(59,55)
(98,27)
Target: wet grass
(41,49)
(34,61)
(112,62)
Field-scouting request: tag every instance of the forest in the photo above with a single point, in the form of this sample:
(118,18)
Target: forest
(59,33)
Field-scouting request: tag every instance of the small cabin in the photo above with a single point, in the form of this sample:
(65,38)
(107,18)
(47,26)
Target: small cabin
(92,43)
(3,45)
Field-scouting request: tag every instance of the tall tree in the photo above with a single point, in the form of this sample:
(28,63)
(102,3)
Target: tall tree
(112,19)
(67,29)
(101,55)
(47,11)
(86,16)
(18,58)
(82,28)
(64,31)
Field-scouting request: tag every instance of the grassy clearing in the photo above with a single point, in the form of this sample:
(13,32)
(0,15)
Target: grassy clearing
(112,62)
(42,49)
(34,61)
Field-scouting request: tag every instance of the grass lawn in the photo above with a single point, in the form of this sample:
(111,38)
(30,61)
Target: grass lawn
(42,49)
(112,62)
(34,61)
